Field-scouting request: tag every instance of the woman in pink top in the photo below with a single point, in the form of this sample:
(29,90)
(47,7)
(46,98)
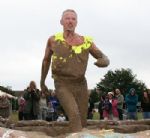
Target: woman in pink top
(114,112)
(106,106)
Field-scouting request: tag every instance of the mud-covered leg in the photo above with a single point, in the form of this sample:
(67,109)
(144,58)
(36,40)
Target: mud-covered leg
(82,101)
(67,100)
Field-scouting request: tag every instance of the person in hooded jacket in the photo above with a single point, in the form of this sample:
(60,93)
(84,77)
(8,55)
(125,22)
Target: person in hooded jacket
(131,100)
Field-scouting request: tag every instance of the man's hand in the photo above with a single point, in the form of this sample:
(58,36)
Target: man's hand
(102,62)
(44,89)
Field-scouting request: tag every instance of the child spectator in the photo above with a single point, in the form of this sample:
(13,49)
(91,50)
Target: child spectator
(61,118)
(50,112)
(21,103)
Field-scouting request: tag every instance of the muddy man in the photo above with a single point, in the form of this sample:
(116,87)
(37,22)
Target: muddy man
(69,52)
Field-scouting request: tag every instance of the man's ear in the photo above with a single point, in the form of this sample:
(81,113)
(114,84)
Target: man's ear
(61,22)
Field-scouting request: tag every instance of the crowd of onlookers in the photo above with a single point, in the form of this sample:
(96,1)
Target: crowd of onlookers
(115,106)
(35,105)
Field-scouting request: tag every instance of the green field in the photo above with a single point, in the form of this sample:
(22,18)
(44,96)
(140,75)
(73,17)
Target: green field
(14,116)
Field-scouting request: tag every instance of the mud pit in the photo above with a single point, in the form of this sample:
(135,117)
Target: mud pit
(8,133)
(95,129)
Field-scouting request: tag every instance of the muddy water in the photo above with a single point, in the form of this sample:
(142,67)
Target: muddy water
(8,133)
(108,134)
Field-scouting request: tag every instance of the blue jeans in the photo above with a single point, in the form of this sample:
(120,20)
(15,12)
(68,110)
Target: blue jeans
(146,115)
(132,115)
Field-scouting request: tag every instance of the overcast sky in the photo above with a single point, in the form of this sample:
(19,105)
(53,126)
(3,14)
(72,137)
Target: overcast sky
(120,28)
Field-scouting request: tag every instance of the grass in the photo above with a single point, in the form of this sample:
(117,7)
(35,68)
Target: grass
(96,116)
(140,116)
(14,116)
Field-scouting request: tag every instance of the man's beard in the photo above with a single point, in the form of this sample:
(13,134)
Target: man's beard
(70,29)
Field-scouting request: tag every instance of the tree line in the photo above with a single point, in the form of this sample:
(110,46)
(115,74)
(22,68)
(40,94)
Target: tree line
(123,79)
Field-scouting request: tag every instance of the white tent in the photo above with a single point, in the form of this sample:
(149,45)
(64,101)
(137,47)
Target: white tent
(8,95)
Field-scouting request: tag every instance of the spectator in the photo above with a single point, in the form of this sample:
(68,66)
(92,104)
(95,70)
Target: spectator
(32,97)
(145,105)
(100,107)
(131,102)
(21,103)
(55,103)
(50,116)
(43,107)
(120,100)
(61,118)
(114,112)
(107,107)
(4,106)
(90,109)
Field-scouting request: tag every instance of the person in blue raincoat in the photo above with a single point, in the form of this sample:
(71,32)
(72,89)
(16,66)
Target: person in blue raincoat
(131,100)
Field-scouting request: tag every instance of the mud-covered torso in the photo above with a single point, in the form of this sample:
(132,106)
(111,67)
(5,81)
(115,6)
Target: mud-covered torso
(69,61)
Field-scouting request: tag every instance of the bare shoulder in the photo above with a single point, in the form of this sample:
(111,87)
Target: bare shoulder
(79,38)
(94,47)
(50,41)
(78,35)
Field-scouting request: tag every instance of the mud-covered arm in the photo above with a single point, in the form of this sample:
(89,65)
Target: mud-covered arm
(102,59)
(46,64)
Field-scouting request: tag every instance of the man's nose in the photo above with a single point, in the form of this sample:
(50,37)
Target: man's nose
(70,20)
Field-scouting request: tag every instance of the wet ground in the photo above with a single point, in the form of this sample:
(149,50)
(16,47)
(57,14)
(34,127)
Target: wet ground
(8,133)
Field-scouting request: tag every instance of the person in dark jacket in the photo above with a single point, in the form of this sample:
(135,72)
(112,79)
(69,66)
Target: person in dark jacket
(90,109)
(131,102)
(100,107)
(32,97)
(145,105)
